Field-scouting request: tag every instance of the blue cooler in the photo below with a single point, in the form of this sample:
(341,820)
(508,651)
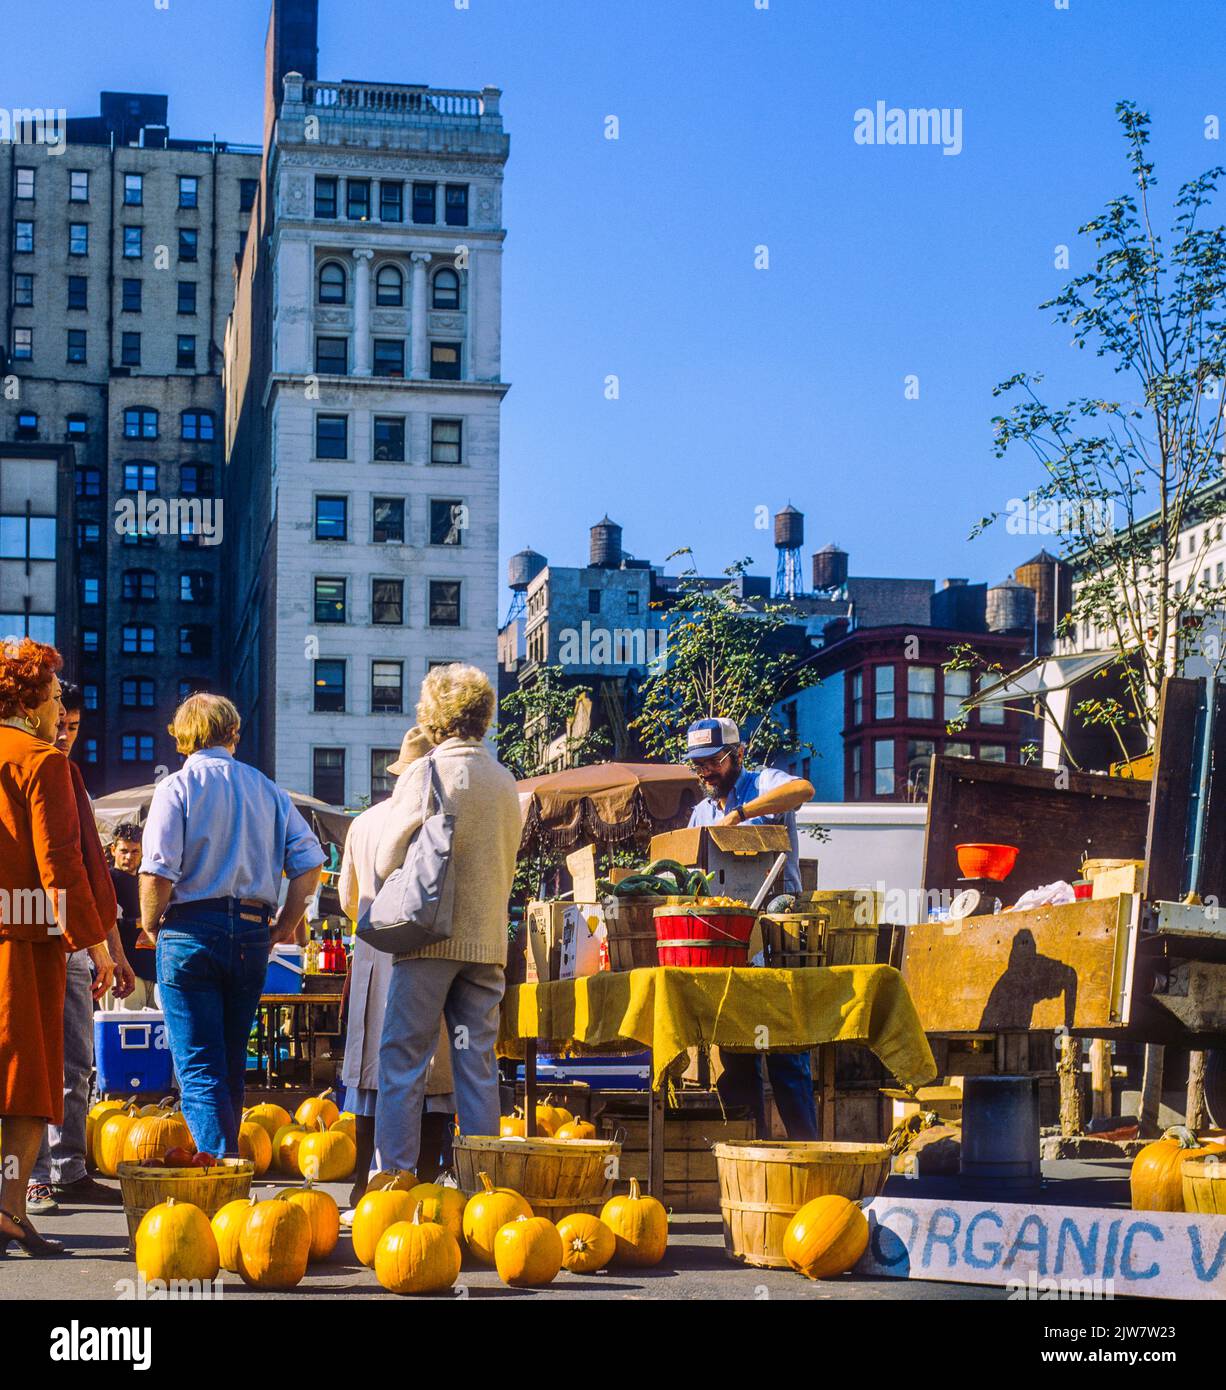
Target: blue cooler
(132,1052)
(285,973)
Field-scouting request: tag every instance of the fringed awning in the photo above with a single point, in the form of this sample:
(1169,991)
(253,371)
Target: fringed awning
(610,803)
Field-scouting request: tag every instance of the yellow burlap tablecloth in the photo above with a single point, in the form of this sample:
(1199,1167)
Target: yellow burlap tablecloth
(670,1009)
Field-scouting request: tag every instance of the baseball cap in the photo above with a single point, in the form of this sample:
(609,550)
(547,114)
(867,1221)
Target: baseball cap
(414,745)
(707,737)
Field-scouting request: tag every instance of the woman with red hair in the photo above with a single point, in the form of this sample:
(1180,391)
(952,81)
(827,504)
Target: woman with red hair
(55,897)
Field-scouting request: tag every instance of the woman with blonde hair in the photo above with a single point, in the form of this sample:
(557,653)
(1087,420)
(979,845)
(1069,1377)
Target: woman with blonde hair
(461,979)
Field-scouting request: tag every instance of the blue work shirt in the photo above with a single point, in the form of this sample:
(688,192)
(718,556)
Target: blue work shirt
(748,786)
(219,828)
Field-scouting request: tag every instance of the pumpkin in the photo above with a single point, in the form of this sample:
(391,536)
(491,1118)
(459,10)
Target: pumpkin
(487,1211)
(320,1107)
(395,1179)
(274,1245)
(109,1141)
(528,1252)
(149,1137)
(324,1216)
(93,1123)
(417,1256)
(442,1205)
(166,1106)
(825,1237)
(227,1227)
(285,1147)
(587,1243)
(346,1123)
(175,1241)
(269,1117)
(1156,1179)
(550,1118)
(254,1144)
(575,1129)
(512,1126)
(373,1215)
(328,1155)
(640,1225)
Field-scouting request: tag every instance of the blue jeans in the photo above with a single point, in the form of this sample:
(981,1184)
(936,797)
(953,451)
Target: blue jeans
(791,1085)
(211,969)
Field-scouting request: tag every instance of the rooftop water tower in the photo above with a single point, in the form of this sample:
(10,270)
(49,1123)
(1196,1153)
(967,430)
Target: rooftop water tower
(789,538)
(522,569)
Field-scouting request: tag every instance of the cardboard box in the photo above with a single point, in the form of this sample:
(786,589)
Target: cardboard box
(739,856)
(1111,883)
(544,940)
(582,945)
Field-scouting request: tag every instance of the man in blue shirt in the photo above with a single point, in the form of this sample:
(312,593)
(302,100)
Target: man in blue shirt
(738,796)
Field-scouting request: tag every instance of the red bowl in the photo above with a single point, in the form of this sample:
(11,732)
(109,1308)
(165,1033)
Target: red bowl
(986,861)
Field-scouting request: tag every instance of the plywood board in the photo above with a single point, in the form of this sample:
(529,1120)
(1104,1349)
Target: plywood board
(1051,967)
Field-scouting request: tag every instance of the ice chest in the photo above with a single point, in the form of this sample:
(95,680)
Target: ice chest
(132,1052)
(737,856)
(285,973)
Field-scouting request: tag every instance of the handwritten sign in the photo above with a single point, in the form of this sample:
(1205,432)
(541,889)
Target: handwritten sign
(1142,1253)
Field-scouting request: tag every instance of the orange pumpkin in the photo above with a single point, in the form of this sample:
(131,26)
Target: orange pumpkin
(274,1245)
(512,1126)
(528,1252)
(825,1237)
(487,1212)
(285,1147)
(175,1241)
(254,1144)
(417,1256)
(576,1129)
(551,1118)
(587,1243)
(109,1140)
(442,1205)
(640,1225)
(373,1215)
(151,1136)
(1156,1179)
(269,1117)
(396,1179)
(327,1155)
(324,1216)
(320,1107)
(227,1227)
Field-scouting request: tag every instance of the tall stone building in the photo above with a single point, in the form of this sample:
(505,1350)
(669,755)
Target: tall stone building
(363,391)
(117,259)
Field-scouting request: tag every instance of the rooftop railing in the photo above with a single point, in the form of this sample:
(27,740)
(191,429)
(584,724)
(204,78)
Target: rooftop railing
(426,105)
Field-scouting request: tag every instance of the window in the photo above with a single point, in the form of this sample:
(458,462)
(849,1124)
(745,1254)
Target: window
(23,236)
(185,350)
(444,603)
(140,477)
(91,750)
(188,687)
(145,538)
(90,592)
(457,205)
(136,692)
(196,424)
(446,289)
(593,600)
(196,479)
(331,436)
(423,202)
(136,748)
(957,750)
(196,640)
(957,691)
(27,425)
(386,687)
(325,196)
(189,242)
(23,344)
(78,238)
(133,242)
(919,751)
(331,283)
(381,780)
(883,692)
(329,600)
(195,586)
(23,291)
(24,182)
(883,766)
(389,287)
(446,441)
(78,186)
(138,641)
(388,527)
(990,714)
(89,535)
(444,361)
(78,292)
(857,773)
(387,602)
(921,692)
(991,753)
(89,482)
(389,439)
(89,641)
(389,357)
(328,775)
(246,194)
(187,296)
(332,356)
(76,345)
(27,538)
(357,200)
(857,698)
(329,687)
(133,190)
(447,521)
(131,296)
(391,201)
(331,518)
(189,191)
(139,423)
(129,349)
(140,586)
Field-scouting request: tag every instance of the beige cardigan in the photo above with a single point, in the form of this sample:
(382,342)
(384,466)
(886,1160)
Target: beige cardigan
(482,796)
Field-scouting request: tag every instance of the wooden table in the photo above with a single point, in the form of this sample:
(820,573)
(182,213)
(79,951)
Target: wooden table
(302,1027)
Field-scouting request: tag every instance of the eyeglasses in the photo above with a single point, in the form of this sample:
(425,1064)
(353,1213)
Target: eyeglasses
(717,760)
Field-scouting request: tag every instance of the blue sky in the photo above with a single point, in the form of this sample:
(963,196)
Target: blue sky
(739,388)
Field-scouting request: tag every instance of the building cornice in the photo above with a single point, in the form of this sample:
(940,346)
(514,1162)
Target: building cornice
(382,384)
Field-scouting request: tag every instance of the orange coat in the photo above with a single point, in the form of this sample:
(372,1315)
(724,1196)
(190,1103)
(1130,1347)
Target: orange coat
(55,897)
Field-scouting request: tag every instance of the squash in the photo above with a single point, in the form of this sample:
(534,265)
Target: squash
(285,1147)
(512,1126)
(550,1118)
(254,1144)
(168,1105)
(346,1123)
(93,1123)
(417,1256)
(373,1215)
(487,1211)
(227,1227)
(442,1205)
(269,1117)
(640,1225)
(1156,1179)
(327,1155)
(274,1245)
(528,1252)
(320,1107)
(323,1214)
(175,1241)
(826,1237)
(576,1129)
(109,1141)
(150,1136)
(587,1243)
(393,1179)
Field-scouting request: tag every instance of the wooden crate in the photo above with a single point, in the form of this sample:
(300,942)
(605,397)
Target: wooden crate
(691,1175)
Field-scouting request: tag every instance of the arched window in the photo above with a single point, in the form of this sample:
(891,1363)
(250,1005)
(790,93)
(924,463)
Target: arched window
(389,287)
(140,586)
(331,283)
(446,289)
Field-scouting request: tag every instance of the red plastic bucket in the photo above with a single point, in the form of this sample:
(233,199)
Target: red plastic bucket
(691,936)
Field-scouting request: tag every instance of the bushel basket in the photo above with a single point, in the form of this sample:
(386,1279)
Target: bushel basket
(699,935)
(555,1176)
(144,1187)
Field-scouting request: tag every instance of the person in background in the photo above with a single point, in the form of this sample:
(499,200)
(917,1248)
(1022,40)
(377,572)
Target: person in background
(59,1174)
(738,796)
(125,865)
(461,979)
(370,972)
(217,839)
(57,899)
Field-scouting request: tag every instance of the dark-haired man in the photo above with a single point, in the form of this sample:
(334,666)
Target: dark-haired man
(142,961)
